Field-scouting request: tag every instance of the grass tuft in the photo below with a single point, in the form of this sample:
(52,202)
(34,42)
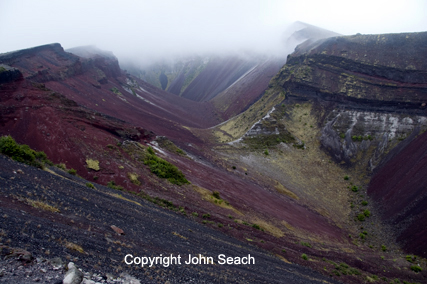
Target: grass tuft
(164,169)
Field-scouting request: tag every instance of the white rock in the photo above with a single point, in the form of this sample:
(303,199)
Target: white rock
(73,275)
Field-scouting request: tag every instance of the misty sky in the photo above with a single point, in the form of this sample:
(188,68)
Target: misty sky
(167,27)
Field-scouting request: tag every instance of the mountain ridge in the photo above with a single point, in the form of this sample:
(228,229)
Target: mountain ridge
(292,170)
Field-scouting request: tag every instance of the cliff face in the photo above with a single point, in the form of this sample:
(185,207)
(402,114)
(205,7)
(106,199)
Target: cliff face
(371,89)
(359,102)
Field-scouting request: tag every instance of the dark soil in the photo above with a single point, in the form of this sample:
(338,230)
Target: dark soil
(81,232)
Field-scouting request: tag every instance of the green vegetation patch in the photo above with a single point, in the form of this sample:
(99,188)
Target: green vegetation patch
(116,91)
(88,184)
(169,145)
(92,164)
(164,169)
(134,178)
(263,141)
(112,184)
(361,217)
(23,153)
(411,258)
(416,268)
(344,269)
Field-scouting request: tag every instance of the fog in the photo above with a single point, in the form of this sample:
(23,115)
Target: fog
(148,30)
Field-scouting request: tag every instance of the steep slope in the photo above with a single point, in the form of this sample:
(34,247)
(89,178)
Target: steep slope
(347,105)
(82,133)
(275,188)
(399,188)
(231,82)
(79,228)
(98,83)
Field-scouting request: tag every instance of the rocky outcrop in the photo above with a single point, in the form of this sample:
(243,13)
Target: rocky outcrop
(370,91)
(9,74)
(369,96)
(45,63)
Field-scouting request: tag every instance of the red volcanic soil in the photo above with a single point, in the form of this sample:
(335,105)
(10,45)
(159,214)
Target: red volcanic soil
(91,81)
(65,131)
(399,186)
(247,89)
(247,196)
(216,77)
(75,115)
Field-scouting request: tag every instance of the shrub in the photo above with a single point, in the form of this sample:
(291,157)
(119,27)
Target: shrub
(164,169)
(342,135)
(195,214)
(151,151)
(346,178)
(367,213)
(234,167)
(410,258)
(22,153)
(306,244)
(361,217)
(354,188)
(207,215)
(416,268)
(256,226)
(95,177)
(304,256)
(88,184)
(353,271)
(112,184)
(266,152)
(72,171)
(61,166)
(229,216)
(364,203)
(216,195)
(182,210)
(220,225)
(383,248)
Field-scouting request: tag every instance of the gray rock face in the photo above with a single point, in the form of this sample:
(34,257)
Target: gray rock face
(349,133)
